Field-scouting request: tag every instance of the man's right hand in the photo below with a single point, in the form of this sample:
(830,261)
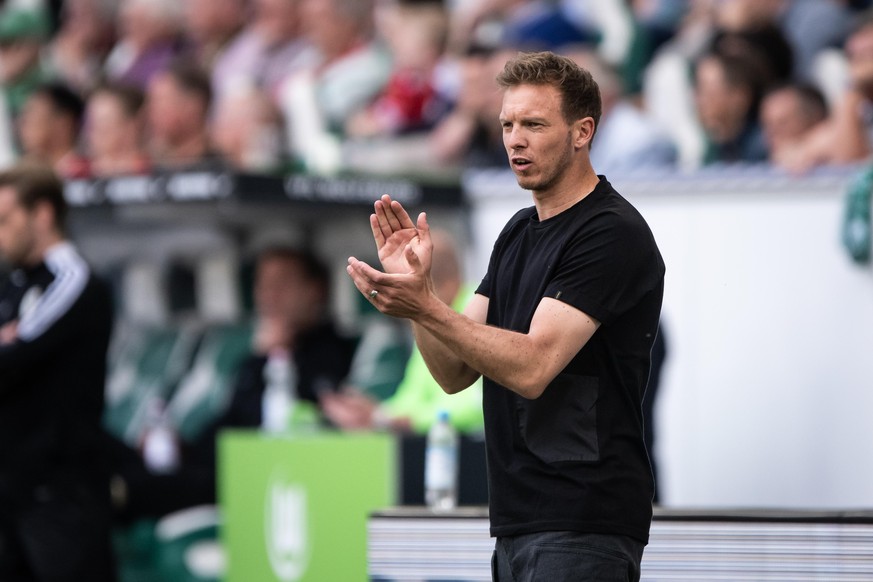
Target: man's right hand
(9,332)
(272,333)
(393,231)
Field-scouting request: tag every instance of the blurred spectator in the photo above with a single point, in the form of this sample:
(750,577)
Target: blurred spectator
(846,135)
(731,78)
(765,46)
(416,34)
(658,19)
(247,131)
(728,91)
(526,24)
(810,26)
(292,309)
(348,70)
(655,22)
(149,40)
(788,114)
(291,302)
(713,35)
(267,50)
(114,131)
(55,324)
(211,25)
(85,37)
(22,32)
(470,135)
(667,89)
(177,108)
(627,138)
(418,399)
(49,128)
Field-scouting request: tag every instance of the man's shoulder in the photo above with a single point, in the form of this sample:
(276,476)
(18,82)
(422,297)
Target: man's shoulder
(519,219)
(522,215)
(611,202)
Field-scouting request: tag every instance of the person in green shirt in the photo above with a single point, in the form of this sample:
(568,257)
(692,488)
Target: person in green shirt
(22,34)
(418,399)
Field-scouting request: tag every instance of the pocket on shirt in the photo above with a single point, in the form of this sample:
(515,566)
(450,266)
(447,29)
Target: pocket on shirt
(561,425)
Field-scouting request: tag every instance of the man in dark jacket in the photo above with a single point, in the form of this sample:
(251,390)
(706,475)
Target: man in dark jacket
(55,323)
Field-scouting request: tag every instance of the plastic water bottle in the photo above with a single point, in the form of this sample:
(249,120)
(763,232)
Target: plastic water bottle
(280,392)
(441,465)
(160,448)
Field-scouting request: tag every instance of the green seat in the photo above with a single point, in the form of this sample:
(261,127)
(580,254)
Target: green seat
(135,551)
(380,357)
(181,547)
(205,390)
(146,364)
(188,546)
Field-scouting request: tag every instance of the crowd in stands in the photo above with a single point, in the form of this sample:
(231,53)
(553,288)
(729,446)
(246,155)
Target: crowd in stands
(107,87)
(103,88)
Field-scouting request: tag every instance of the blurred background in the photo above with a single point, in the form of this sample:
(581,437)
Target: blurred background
(195,135)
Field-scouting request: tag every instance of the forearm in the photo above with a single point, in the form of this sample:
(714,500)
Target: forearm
(852,143)
(450,371)
(458,343)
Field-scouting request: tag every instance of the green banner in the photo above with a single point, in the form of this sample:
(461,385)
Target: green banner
(295,507)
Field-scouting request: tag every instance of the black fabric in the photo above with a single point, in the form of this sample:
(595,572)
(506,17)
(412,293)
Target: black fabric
(54,506)
(659,355)
(575,459)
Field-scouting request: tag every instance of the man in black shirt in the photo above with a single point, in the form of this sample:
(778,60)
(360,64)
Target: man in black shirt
(55,323)
(561,328)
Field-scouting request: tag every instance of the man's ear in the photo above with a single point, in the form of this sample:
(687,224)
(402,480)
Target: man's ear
(583,132)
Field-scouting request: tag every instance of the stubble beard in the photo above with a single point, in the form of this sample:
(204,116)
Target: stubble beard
(19,253)
(553,174)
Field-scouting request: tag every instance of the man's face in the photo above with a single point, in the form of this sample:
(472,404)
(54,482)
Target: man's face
(37,125)
(283,292)
(106,126)
(17,235)
(783,119)
(173,114)
(278,20)
(536,136)
(721,107)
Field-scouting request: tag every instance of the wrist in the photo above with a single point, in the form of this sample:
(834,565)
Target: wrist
(432,311)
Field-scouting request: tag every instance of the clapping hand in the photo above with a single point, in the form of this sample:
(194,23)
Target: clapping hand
(405,251)
(394,231)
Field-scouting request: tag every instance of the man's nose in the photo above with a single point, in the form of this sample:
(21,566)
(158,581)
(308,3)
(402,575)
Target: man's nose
(515,139)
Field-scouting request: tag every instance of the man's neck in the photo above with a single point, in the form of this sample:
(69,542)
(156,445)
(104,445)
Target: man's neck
(556,200)
(42,248)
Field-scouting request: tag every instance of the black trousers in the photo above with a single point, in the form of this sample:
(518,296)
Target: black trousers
(56,534)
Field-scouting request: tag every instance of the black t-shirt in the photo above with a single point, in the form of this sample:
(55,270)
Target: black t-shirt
(574,458)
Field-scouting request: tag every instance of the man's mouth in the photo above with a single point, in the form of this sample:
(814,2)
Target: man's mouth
(520,163)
